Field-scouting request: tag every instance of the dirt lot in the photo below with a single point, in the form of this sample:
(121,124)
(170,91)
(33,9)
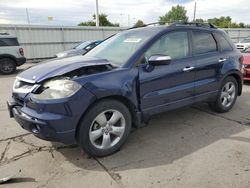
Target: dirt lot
(189,148)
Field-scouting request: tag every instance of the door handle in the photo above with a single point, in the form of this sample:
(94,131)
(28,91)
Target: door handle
(221,60)
(187,69)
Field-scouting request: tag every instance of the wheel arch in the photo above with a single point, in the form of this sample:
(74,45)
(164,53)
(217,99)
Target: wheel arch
(8,56)
(135,115)
(238,77)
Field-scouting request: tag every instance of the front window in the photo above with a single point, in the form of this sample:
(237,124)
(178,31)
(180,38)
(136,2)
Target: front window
(173,44)
(119,48)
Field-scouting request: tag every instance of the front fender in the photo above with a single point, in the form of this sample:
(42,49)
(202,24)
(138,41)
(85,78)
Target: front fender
(118,82)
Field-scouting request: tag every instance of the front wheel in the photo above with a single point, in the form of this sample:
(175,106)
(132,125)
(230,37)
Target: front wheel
(104,128)
(227,96)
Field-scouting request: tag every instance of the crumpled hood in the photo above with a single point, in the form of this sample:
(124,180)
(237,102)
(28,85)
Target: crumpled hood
(57,67)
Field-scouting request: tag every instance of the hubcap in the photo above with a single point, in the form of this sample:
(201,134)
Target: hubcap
(7,67)
(107,129)
(228,94)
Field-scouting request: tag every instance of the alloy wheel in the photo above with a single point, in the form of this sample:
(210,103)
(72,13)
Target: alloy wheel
(107,129)
(228,94)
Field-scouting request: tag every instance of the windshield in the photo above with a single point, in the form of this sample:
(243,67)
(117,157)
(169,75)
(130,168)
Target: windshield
(82,45)
(246,40)
(119,48)
(247,50)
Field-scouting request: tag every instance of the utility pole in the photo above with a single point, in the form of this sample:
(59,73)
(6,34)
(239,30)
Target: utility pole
(97,13)
(28,17)
(128,20)
(194,11)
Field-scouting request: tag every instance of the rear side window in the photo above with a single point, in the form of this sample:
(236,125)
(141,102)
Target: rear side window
(203,43)
(9,42)
(224,44)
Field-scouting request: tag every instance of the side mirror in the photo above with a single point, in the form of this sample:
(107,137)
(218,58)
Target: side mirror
(159,60)
(88,48)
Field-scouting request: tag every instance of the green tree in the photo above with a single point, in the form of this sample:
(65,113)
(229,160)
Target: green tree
(139,23)
(222,22)
(177,13)
(103,21)
(226,22)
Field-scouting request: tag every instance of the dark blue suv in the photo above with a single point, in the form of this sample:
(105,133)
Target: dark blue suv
(95,99)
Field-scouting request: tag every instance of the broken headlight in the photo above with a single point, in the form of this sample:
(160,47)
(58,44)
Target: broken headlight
(57,89)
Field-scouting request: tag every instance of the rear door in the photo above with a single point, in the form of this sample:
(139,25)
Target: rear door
(168,86)
(209,61)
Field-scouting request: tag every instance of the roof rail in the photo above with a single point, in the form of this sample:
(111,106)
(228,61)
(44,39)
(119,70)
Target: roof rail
(196,24)
(5,33)
(145,25)
(179,23)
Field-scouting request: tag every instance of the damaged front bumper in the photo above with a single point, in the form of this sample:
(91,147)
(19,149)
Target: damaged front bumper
(50,121)
(41,126)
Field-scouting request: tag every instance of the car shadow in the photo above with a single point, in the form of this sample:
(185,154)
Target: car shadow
(168,137)
(247,82)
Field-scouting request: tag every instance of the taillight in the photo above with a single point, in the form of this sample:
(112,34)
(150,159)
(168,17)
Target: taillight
(21,51)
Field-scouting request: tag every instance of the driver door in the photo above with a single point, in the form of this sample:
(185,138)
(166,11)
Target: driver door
(168,86)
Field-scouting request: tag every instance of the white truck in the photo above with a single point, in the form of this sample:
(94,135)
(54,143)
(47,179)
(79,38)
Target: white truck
(11,54)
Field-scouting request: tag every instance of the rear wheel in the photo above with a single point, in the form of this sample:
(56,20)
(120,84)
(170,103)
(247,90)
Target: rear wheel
(7,66)
(226,97)
(104,128)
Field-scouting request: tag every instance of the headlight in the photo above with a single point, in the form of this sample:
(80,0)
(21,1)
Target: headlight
(23,87)
(57,89)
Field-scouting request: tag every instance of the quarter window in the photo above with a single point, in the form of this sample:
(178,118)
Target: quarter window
(9,42)
(224,44)
(203,43)
(174,45)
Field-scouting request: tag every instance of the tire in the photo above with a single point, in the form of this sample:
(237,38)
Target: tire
(104,128)
(226,97)
(7,66)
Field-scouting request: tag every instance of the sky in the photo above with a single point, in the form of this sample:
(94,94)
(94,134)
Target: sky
(71,12)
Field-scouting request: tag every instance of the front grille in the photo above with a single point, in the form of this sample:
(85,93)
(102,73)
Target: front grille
(18,100)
